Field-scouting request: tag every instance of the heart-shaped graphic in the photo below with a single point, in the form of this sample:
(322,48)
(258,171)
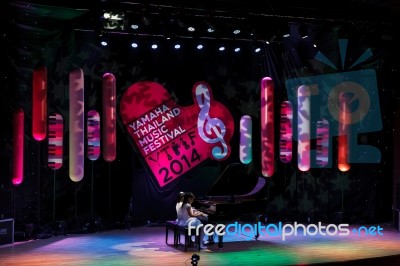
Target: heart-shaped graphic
(171,138)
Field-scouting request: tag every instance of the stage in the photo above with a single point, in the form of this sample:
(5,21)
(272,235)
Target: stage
(146,246)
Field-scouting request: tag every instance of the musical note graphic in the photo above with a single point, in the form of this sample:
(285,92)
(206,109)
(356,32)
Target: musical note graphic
(211,130)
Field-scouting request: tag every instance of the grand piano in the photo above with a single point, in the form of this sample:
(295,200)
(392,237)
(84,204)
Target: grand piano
(237,195)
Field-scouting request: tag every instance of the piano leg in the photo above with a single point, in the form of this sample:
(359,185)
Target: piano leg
(220,241)
(257,219)
(257,234)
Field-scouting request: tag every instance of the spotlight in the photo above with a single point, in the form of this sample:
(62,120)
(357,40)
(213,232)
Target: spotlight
(154,46)
(222,48)
(237,49)
(113,21)
(195,259)
(200,46)
(134,45)
(177,46)
(103,38)
(191,29)
(210,27)
(134,26)
(257,50)
(236,32)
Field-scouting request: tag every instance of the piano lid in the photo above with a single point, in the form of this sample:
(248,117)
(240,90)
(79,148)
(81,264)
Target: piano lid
(238,180)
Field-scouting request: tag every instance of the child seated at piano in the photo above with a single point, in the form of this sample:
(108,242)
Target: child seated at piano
(178,206)
(187,214)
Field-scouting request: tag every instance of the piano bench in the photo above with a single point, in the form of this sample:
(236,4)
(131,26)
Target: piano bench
(178,231)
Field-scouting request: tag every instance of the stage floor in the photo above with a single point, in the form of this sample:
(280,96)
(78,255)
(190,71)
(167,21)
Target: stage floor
(146,246)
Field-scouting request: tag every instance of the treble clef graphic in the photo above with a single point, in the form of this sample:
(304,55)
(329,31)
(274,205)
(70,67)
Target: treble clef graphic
(208,126)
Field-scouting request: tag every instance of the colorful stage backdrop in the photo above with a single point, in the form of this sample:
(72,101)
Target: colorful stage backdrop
(312,116)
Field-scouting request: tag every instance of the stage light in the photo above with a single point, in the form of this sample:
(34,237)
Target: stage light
(236,32)
(303,31)
(107,15)
(177,46)
(237,49)
(195,259)
(154,46)
(103,38)
(222,48)
(286,35)
(134,45)
(134,26)
(191,29)
(210,26)
(200,46)
(257,50)
(267,42)
(113,21)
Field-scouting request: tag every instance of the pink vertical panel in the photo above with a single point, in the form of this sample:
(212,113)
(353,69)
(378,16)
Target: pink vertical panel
(245,148)
(76,125)
(303,128)
(322,154)
(18,147)
(56,139)
(267,127)
(93,135)
(286,132)
(344,121)
(39,103)
(109,118)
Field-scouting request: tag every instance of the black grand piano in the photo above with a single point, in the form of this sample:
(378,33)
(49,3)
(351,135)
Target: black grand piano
(237,195)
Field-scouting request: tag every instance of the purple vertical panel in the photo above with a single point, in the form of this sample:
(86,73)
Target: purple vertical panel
(76,125)
(322,154)
(245,148)
(303,128)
